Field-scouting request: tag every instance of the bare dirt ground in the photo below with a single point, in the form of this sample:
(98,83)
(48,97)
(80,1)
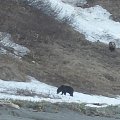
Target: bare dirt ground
(61,55)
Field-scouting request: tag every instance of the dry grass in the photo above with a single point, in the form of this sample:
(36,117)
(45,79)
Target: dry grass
(109,111)
(10,69)
(32,93)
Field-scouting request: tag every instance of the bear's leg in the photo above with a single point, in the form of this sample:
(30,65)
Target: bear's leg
(71,95)
(62,93)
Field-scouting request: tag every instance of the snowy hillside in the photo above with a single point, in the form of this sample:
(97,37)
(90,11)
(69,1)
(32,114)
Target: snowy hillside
(7,45)
(57,60)
(93,22)
(38,91)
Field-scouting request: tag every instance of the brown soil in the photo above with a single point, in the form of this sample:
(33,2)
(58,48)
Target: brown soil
(61,55)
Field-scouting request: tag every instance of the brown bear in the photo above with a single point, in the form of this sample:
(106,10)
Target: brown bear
(65,89)
(112,46)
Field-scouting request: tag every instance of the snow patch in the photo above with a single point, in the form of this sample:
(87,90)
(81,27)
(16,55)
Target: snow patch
(75,2)
(7,45)
(42,91)
(93,22)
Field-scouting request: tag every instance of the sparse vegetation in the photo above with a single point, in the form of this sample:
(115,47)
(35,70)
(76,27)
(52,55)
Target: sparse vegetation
(110,111)
(32,93)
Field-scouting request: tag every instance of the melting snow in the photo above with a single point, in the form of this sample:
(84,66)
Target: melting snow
(42,91)
(7,44)
(93,22)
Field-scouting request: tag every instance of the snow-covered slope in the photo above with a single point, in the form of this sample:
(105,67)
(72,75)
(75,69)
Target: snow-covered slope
(7,45)
(94,22)
(38,91)
(75,2)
